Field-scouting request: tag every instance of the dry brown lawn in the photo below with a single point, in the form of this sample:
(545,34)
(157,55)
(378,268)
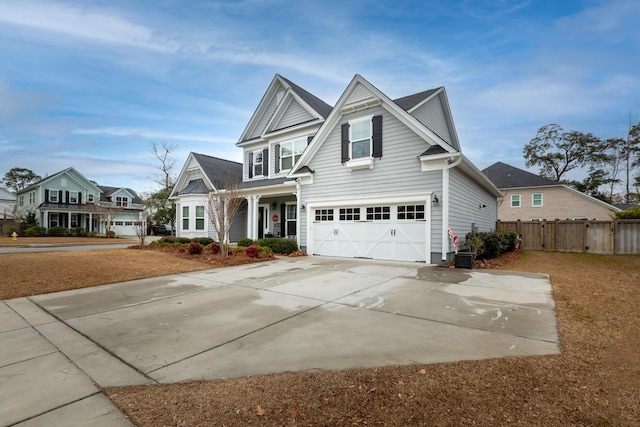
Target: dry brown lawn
(594,382)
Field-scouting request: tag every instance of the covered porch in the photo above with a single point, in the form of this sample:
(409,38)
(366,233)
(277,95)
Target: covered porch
(273,211)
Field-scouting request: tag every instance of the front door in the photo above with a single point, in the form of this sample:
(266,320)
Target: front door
(263,221)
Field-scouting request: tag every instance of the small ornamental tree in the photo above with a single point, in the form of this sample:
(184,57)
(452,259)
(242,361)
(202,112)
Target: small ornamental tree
(224,206)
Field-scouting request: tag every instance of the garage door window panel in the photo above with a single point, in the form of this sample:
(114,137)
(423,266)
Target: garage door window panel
(322,215)
(349,214)
(411,212)
(378,213)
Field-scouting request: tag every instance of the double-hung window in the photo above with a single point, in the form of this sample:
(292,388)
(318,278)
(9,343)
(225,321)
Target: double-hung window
(185,217)
(536,200)
(515,200)
(32,197)
(257,163)
(199,217)
(360,137)
(53,196)
(290,152)
(73,197)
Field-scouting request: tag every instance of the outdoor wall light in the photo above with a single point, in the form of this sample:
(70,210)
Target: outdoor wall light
(436,201)
(482,205)
(302,206)
(274,205)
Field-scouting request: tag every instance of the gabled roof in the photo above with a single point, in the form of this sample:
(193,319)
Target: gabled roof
(274,104)
(108,192)
(362,94)
(507,176)
(6,194)
(314,102)
(50,177)
(219,172)
(410,101)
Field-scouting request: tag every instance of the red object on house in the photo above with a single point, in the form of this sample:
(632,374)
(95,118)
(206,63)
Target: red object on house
(274,218)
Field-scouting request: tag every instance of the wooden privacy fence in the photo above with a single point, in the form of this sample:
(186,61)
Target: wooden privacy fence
(596,237)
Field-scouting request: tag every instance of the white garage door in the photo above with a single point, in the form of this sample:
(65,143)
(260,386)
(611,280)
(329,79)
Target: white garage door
(389,232)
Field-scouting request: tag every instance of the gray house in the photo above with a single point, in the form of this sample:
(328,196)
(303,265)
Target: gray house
(7,203)
(370,177)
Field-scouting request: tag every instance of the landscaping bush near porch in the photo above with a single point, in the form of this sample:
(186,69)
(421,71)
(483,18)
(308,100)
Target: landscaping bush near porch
(279,245)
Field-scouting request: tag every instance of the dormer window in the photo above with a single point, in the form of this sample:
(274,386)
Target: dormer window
(122,202)
(257,163)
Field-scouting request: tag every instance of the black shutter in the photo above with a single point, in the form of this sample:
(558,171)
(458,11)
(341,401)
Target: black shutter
(377,136)
(345,142)
(283,221)
(79,197)
(276,155)
(66,197)
(46,195)
(265,162)
(250,165)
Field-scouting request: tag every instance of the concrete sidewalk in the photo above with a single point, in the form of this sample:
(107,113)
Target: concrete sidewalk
(293,314)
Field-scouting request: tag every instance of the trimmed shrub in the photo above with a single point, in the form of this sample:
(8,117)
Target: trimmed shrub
(246,242)
(204,241)
(279,245)
(214,247)
(494,243)
(78,232)
(251,251)
(238,250)
(174,239)
(194,248)
(264,252)
(35,232)
(58,231)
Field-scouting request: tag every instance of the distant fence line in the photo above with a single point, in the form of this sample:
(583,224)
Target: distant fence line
(596,237)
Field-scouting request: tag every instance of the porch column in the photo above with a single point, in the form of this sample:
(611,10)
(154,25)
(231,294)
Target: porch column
(249,216)
(256,210)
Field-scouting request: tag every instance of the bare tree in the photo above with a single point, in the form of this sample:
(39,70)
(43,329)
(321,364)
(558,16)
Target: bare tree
(223,207)
(141,227)
(163,154)
(106,213)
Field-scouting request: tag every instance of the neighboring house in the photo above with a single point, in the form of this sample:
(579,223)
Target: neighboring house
(70,200)
(7,203)
(370,177)
(530,197)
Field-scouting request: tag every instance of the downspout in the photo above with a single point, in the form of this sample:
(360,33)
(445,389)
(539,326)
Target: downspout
(451,163)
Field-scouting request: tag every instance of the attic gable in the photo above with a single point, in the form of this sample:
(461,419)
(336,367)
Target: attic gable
(284,105)
(359,95)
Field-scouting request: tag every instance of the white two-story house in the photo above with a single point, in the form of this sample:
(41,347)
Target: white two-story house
(370,177)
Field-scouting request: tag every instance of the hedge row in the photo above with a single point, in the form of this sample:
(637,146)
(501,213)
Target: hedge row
(278,245)
(493,243)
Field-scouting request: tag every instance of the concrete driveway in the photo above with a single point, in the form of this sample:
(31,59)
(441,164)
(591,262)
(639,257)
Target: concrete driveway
(293,314)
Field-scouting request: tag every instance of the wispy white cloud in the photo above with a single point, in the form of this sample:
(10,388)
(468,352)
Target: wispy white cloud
(80,22)
(152,134)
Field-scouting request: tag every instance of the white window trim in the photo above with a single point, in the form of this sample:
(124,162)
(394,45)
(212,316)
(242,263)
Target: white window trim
(204,222)
(255,153)
(302,141)
(57,196)
(351,123)
(183,217)
(124,202)
(77,193)
(533,204)
(519,201)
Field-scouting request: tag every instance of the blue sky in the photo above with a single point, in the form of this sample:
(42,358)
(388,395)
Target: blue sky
(91,84)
